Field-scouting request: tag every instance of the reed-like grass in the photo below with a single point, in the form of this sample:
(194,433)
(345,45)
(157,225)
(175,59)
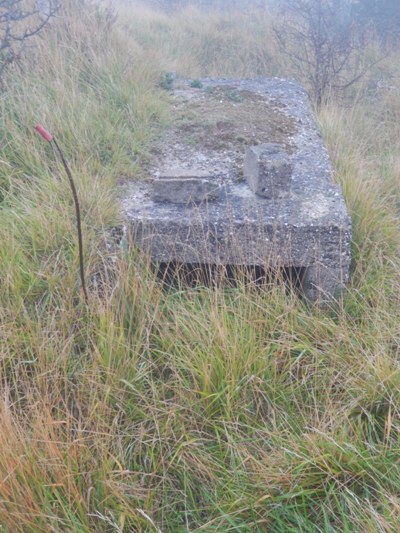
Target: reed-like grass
(194,409)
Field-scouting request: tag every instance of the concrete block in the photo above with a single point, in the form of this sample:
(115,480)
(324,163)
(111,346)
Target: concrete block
(268,170)
(182,186)
(293,216)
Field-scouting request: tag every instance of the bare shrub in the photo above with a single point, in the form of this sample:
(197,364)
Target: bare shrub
(324,44)
(19,21)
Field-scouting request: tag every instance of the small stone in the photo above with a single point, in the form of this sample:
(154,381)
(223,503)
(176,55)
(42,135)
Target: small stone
(183,186)
(268,170)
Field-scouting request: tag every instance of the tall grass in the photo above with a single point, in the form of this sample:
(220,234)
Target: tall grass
(194,409)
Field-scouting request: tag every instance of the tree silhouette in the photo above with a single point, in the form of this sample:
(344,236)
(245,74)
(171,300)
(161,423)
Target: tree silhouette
(323,43)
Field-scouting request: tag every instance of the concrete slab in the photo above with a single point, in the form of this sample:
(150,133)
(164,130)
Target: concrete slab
(181,186)
(307,228)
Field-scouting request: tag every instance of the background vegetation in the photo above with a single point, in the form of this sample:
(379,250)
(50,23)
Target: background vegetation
(190,410)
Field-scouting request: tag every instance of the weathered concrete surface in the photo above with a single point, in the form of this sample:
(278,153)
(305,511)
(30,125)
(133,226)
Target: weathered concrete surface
(181,186)
(308,228)
(268,170)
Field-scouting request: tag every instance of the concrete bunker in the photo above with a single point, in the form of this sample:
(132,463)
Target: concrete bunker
(242,179)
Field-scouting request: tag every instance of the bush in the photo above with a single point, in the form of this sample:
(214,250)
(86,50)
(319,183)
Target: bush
(19,21)
(324,44)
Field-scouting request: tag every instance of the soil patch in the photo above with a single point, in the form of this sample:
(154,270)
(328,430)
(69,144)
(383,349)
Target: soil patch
(221,122)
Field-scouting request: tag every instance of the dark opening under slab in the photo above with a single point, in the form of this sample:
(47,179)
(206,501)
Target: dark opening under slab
(175,274)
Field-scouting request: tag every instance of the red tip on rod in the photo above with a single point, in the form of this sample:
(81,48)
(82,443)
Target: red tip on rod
(44,133)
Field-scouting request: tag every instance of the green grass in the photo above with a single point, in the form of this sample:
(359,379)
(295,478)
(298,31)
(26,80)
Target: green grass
(190,410)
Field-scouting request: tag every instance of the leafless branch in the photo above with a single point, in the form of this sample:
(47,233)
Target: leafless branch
(19,21)
(323,43)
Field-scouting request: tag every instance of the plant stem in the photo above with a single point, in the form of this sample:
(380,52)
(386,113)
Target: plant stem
(78,220)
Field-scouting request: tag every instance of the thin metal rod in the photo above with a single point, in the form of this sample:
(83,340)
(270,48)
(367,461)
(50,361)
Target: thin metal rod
(78,220)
